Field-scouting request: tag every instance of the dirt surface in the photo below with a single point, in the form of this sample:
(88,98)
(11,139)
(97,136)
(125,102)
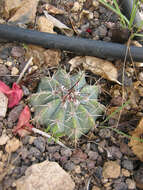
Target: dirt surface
(102,159)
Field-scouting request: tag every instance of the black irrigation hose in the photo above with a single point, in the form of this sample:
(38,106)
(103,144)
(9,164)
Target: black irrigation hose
(78,45)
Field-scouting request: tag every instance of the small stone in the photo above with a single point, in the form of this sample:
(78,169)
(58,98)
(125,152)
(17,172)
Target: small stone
(115,152)
(12,145)
(93,155)
(4,138)
(125,172)
(40,143)
(3,70)
(46,176)
(34,152)
(76,7)
(66,152)
(17,52)
(90,164)
(111,169)
(127,164)
(14,71)
(77,169)
(140,76)
(105,133)
(3,104)
(69,166)
(57,156)
(15,113)
(95,3)
(8,63)
(138,175)
(131,183)
(95,188)
(121,186)
(102,31)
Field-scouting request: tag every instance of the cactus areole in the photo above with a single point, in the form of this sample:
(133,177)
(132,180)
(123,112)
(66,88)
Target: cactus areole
(66,105)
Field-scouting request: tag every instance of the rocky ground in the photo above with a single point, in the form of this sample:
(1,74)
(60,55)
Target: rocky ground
(101,160)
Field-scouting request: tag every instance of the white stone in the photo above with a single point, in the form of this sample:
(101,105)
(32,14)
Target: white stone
(14,71)
(3,104)
(45,176)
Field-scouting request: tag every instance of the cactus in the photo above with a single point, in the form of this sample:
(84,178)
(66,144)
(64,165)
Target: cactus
(66,105)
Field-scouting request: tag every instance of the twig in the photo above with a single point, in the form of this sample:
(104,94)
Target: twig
(48,136)
(24,70)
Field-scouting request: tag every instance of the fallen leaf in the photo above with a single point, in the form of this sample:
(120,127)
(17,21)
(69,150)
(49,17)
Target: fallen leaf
(10,5)
(14,95)
(26,12)
(23,126)
(3,104)
(135,143)
(66,30)
(52,9)
(97,66)
(41,56)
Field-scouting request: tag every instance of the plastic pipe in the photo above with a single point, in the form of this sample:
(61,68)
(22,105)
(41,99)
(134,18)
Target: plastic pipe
(78,45)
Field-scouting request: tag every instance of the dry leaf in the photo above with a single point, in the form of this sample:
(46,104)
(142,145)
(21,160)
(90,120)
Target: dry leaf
(135,142)
(26,12)
(45,25)
(97,66)
(66,30)
(10,5)
(51,9)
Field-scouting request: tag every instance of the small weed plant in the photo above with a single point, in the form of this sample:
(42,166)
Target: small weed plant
(126,23)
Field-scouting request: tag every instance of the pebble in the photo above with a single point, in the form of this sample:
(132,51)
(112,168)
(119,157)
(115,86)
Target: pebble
(93,155)
(127,164)
(40,143)
(52,149)
(8,63)
(90,164)
(105,133)
(14,71)
(131,183)
(95,188)
(3,104)
(95,3)
(4,138)
(138,175)
(34,152)
(12,145)
(102,31)
(125,172)
(121,186)
(115,152)
(17,52)
(77,169)
(76,7)
(69,166)
(140,76)
(111,169)
(5,52)
(66,152)
(3,70)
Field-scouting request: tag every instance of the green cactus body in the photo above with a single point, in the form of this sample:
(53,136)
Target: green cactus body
(66,103)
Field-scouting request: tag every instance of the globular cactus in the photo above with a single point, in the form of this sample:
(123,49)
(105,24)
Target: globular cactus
(66,103)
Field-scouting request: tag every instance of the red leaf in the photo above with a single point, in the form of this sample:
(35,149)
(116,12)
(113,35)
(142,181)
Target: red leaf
(23,124)
(14,95)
